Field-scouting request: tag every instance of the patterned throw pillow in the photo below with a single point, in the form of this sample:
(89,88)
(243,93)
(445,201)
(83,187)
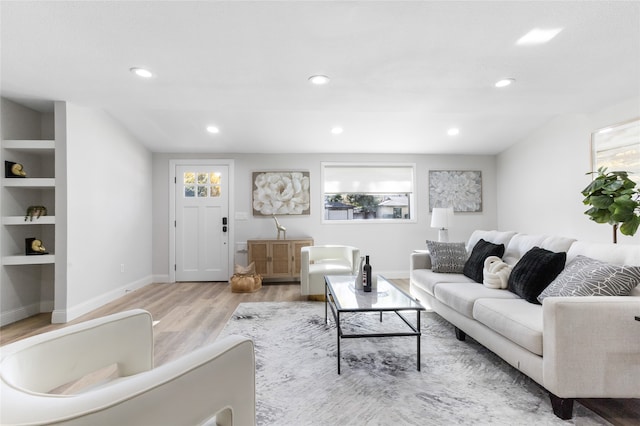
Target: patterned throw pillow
(447,257)
(584,276)
(475,263)
(534,272)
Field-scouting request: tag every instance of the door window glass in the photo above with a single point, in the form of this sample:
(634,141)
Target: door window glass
(201,185)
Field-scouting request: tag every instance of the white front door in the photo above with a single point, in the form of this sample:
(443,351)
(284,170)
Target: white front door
(202,222)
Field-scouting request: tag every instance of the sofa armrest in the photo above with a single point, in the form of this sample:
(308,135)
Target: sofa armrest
(420,259)
(124,338)
(218,379)
(591,346)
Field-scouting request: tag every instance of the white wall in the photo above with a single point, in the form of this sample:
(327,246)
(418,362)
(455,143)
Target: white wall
(389,245)
(539,180)
(108,210)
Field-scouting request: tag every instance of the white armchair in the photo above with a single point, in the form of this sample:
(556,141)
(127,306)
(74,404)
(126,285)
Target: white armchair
(212,385)
(318,261)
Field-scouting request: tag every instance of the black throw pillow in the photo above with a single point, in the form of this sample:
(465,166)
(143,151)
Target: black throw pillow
(534,272)
(475,264)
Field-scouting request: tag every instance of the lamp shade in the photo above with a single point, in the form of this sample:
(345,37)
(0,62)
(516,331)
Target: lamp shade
(441,217)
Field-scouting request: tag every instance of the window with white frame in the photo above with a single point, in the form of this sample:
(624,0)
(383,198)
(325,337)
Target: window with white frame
(368,191)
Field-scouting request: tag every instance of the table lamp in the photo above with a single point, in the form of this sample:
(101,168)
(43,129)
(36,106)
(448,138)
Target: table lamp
(442,217)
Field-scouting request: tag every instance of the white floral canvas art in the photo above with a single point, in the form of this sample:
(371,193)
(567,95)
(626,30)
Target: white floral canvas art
(280,193)
(460,189)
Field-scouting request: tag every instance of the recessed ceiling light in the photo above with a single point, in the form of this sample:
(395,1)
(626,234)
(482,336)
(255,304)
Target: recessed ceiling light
(141,72)
(453,131)
(337,130)
(505,82)
(213,129)
(538,36)
(319,79)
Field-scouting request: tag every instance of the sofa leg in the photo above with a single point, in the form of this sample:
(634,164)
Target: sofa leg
(460,335)
(562,407)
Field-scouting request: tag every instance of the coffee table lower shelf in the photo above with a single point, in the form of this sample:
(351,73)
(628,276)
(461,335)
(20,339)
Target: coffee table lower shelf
(330,302)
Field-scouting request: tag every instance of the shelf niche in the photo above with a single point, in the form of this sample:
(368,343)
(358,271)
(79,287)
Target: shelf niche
(28,281)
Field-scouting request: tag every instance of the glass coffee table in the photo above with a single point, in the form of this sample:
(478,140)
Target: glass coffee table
(342,296)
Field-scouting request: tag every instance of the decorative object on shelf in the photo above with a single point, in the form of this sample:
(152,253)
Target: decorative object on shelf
(280,193)
(245,279)
(34,246)
(441,218)
(280,228)
(613,200)
(35,211)
(460,189)
(13,170)
(617,147)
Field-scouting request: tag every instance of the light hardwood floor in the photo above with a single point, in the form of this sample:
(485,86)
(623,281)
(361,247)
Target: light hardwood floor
(191,315)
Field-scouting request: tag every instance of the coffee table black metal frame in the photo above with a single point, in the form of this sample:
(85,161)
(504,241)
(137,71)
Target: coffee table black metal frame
(332,301)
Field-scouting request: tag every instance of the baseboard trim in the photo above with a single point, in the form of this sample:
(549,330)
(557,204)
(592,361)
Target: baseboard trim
(164,278)
(62,316)
(19,314)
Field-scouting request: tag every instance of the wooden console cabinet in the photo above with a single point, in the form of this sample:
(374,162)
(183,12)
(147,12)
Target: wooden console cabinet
(277,259)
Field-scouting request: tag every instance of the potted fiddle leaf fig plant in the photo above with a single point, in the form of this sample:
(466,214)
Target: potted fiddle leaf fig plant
(613,200)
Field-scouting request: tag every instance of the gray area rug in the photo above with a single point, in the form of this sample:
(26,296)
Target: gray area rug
(460,382)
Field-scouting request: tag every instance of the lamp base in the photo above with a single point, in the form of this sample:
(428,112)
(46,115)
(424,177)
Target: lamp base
(443,235)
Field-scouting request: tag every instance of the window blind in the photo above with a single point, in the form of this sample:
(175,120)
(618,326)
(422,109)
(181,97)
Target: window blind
(368,179)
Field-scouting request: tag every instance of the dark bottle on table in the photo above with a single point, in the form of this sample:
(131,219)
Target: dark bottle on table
(367,275)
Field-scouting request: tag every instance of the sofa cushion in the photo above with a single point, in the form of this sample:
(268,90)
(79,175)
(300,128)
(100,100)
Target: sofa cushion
(534,272)
(618,254)
(557,244)
(517,320)
(522,243)
(447,257)
(426,279)
(462,296)
(584,276)
(475,264)
(519,245)
(496,237)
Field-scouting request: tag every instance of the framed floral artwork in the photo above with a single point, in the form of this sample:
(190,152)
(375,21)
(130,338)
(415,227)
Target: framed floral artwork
(460,189)
(280,193)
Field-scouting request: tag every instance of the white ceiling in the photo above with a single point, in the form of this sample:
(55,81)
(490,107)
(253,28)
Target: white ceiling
(402,72)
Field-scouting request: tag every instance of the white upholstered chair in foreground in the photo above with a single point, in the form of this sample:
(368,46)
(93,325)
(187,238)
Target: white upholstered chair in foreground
(212,385)
(318,261)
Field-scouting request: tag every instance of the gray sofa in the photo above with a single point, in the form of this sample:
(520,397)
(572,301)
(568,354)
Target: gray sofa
(575,347)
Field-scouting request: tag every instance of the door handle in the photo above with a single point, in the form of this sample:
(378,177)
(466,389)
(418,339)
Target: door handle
(224,224)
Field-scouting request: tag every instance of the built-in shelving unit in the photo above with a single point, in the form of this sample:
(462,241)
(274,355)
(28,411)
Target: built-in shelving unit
(20,220)
(35,183)
(27,281)
(40,154)
(47,146)
(42,259)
